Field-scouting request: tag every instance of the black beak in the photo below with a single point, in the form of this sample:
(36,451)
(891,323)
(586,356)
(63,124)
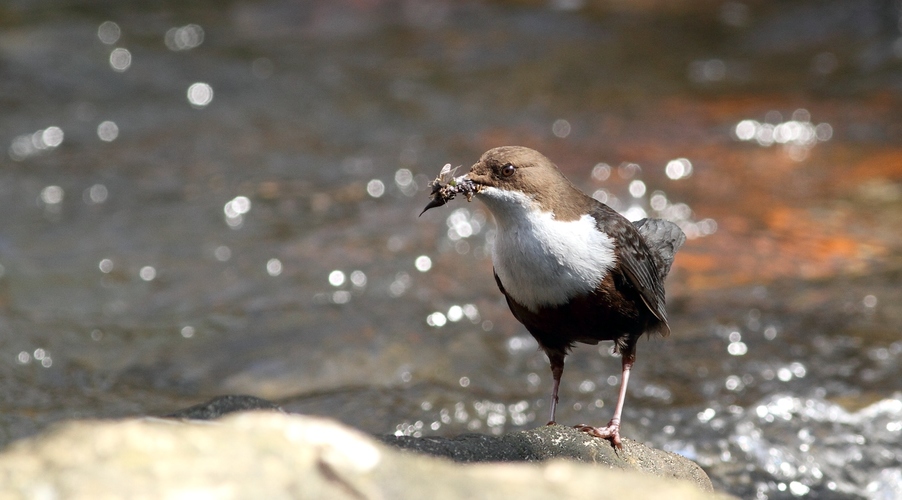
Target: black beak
(436,201)
(445,187)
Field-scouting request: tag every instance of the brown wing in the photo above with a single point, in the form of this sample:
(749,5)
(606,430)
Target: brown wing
(636,261)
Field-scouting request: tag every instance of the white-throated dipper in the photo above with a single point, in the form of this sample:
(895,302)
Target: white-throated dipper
(572,268)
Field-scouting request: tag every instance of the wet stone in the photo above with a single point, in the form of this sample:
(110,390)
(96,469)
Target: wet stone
(223,405)
(535,445)
(556,442)
(275,455)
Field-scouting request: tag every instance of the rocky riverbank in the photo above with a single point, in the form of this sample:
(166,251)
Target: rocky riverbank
(271,454)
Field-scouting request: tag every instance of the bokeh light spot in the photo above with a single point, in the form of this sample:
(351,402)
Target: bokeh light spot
(423,263)
(737,348)
(679,168)
(52,195)
(400,284)
(341,297)
(403,177)
(637,188)
(106,266)
(235,209)
(108,131)
(375,188)
(27,145)
(797,135)
(658,201)
(184,38)
(222,253)
(436,319)
(336,278)
(274,267)
(147,273)
(455,313)
(95,194)
(358,279)
(635,213)
(52,137)
(560,128)
(200,94)
(108,32)
(120,59)
(601,172)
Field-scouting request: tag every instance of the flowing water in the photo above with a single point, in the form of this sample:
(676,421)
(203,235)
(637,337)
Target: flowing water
(223,199)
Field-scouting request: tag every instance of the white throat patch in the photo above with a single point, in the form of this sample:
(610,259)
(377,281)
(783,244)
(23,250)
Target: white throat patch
(542,261)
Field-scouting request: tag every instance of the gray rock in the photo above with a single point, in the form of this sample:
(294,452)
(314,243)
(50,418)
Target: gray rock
(223,405)
(557,441)
(267,454)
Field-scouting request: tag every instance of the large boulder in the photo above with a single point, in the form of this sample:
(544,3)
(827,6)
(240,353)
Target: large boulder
(269,454)
(558,442)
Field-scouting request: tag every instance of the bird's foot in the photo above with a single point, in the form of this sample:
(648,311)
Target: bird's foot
(611,432)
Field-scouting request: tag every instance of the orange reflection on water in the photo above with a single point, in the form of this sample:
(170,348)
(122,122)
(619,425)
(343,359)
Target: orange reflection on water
(779,213)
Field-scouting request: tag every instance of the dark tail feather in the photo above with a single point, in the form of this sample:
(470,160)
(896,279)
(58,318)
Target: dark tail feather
(663,238)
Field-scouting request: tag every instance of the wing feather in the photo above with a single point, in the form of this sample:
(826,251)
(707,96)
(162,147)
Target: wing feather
(637,263)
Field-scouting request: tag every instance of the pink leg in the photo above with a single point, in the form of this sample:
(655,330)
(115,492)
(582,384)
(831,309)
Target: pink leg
(557,370)
(612,430)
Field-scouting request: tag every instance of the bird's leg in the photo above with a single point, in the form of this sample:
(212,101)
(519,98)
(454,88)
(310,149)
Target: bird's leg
(612,430)
(557,370)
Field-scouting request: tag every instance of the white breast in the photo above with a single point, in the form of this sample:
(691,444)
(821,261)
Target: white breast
(542,261)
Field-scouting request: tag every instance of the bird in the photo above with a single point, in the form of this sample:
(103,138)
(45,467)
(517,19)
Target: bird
(572,269)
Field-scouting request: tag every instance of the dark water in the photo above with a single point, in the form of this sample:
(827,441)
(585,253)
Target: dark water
(223,199)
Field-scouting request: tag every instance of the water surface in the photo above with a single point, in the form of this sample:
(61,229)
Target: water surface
(224,199)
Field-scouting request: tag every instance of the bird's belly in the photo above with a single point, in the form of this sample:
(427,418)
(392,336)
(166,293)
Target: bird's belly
(606,313)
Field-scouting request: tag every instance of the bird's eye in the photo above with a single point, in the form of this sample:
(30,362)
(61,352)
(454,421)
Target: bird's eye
(508,170)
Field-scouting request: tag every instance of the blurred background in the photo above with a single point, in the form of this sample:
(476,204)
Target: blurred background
(221,198)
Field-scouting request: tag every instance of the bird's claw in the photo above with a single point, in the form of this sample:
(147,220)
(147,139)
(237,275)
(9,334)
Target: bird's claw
(611,432)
